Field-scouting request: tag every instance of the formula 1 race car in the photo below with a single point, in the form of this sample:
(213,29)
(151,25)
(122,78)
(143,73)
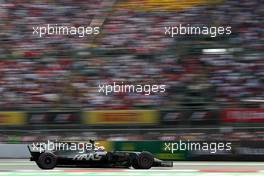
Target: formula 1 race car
(94,158)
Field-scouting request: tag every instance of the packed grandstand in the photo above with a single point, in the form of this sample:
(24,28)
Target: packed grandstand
(64,72)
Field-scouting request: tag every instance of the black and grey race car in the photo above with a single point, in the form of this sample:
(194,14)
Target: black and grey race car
(94,158)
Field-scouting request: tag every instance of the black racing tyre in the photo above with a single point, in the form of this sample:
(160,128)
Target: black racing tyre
(135,164)
(134,160)
(47,161)
(145,160)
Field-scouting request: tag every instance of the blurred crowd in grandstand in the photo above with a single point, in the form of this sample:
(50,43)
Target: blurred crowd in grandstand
(164,136)
(63,72)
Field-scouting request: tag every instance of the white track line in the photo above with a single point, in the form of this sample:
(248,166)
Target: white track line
(218,164)
(32,170)
(18,164)
(161,170)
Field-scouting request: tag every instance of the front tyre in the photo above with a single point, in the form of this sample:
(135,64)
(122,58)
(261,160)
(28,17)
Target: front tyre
(47,161)
(144,160)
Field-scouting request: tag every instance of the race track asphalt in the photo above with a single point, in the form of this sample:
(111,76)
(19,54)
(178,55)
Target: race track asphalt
(23,167)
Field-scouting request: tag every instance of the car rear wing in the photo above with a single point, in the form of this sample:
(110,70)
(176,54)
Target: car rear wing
(33,148)
(35,151)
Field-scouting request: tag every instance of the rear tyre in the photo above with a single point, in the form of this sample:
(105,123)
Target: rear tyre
(47,161)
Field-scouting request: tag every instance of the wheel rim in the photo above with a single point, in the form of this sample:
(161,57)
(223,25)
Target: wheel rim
(146,162)
(48,160)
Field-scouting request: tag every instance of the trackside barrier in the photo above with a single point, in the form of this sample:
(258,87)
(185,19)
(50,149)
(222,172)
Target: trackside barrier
(241,151)
(14,151)
(200,117)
